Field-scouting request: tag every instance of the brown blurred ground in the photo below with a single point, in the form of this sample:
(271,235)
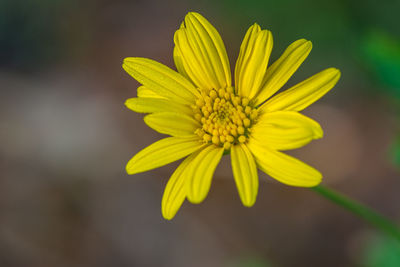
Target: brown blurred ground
(66,136)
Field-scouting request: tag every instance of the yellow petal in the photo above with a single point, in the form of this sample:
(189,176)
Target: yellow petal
(248,39)
(203,53)
(150,105)
(210,48)
(162,152)
(253,60)
(192,66)
(175,191)
(143,91)
(245,172)
(284,130)
(179,64)
(200,172)
(175,124)
(282,69)
(284,168)
(305,93)
(161,79)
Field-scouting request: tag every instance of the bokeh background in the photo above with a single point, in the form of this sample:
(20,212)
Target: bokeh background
(65,137)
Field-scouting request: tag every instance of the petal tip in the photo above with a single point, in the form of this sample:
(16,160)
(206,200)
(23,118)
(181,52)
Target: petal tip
(128,102)
(316,183)
(132,167)
(256,26)
(192,14)
(302,42)
(128,64)
(267,33)
(249,202)
(339,73)
(318,132)
(128,60)
(336,74)
(194,199)
(167,215)
(125,66)
(137,60)
(305,46)
(309,44)
(130,170)
(333,71)
(147,119)
(317,179)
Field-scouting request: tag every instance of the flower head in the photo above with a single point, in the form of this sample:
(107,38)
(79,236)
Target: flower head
(205,115)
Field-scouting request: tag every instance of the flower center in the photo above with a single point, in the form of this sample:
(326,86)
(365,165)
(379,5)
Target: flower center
(225,118)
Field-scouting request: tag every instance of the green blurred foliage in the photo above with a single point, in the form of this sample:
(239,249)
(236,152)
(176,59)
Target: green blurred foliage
(381,252)
(250,261)
(381,54)
(395,152)
(290,20)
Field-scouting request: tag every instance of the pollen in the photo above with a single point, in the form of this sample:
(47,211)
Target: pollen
(225,118)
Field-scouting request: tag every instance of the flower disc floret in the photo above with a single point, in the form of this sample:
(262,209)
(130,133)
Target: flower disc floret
(225,118)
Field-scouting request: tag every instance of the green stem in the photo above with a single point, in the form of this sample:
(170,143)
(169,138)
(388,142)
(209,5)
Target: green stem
(359,209)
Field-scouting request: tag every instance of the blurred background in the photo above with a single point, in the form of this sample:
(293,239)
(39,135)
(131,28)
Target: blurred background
(65,137)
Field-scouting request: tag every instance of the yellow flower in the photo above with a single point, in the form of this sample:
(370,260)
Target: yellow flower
(206,115)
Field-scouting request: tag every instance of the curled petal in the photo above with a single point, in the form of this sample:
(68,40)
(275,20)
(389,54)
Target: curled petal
(284,130)
(248,40)
(253,60)
(202,53)
(175,191)
(200,173)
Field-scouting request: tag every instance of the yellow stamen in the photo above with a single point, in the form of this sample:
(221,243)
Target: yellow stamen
(225,118)
(242,139)
(227,145)
(215,139)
